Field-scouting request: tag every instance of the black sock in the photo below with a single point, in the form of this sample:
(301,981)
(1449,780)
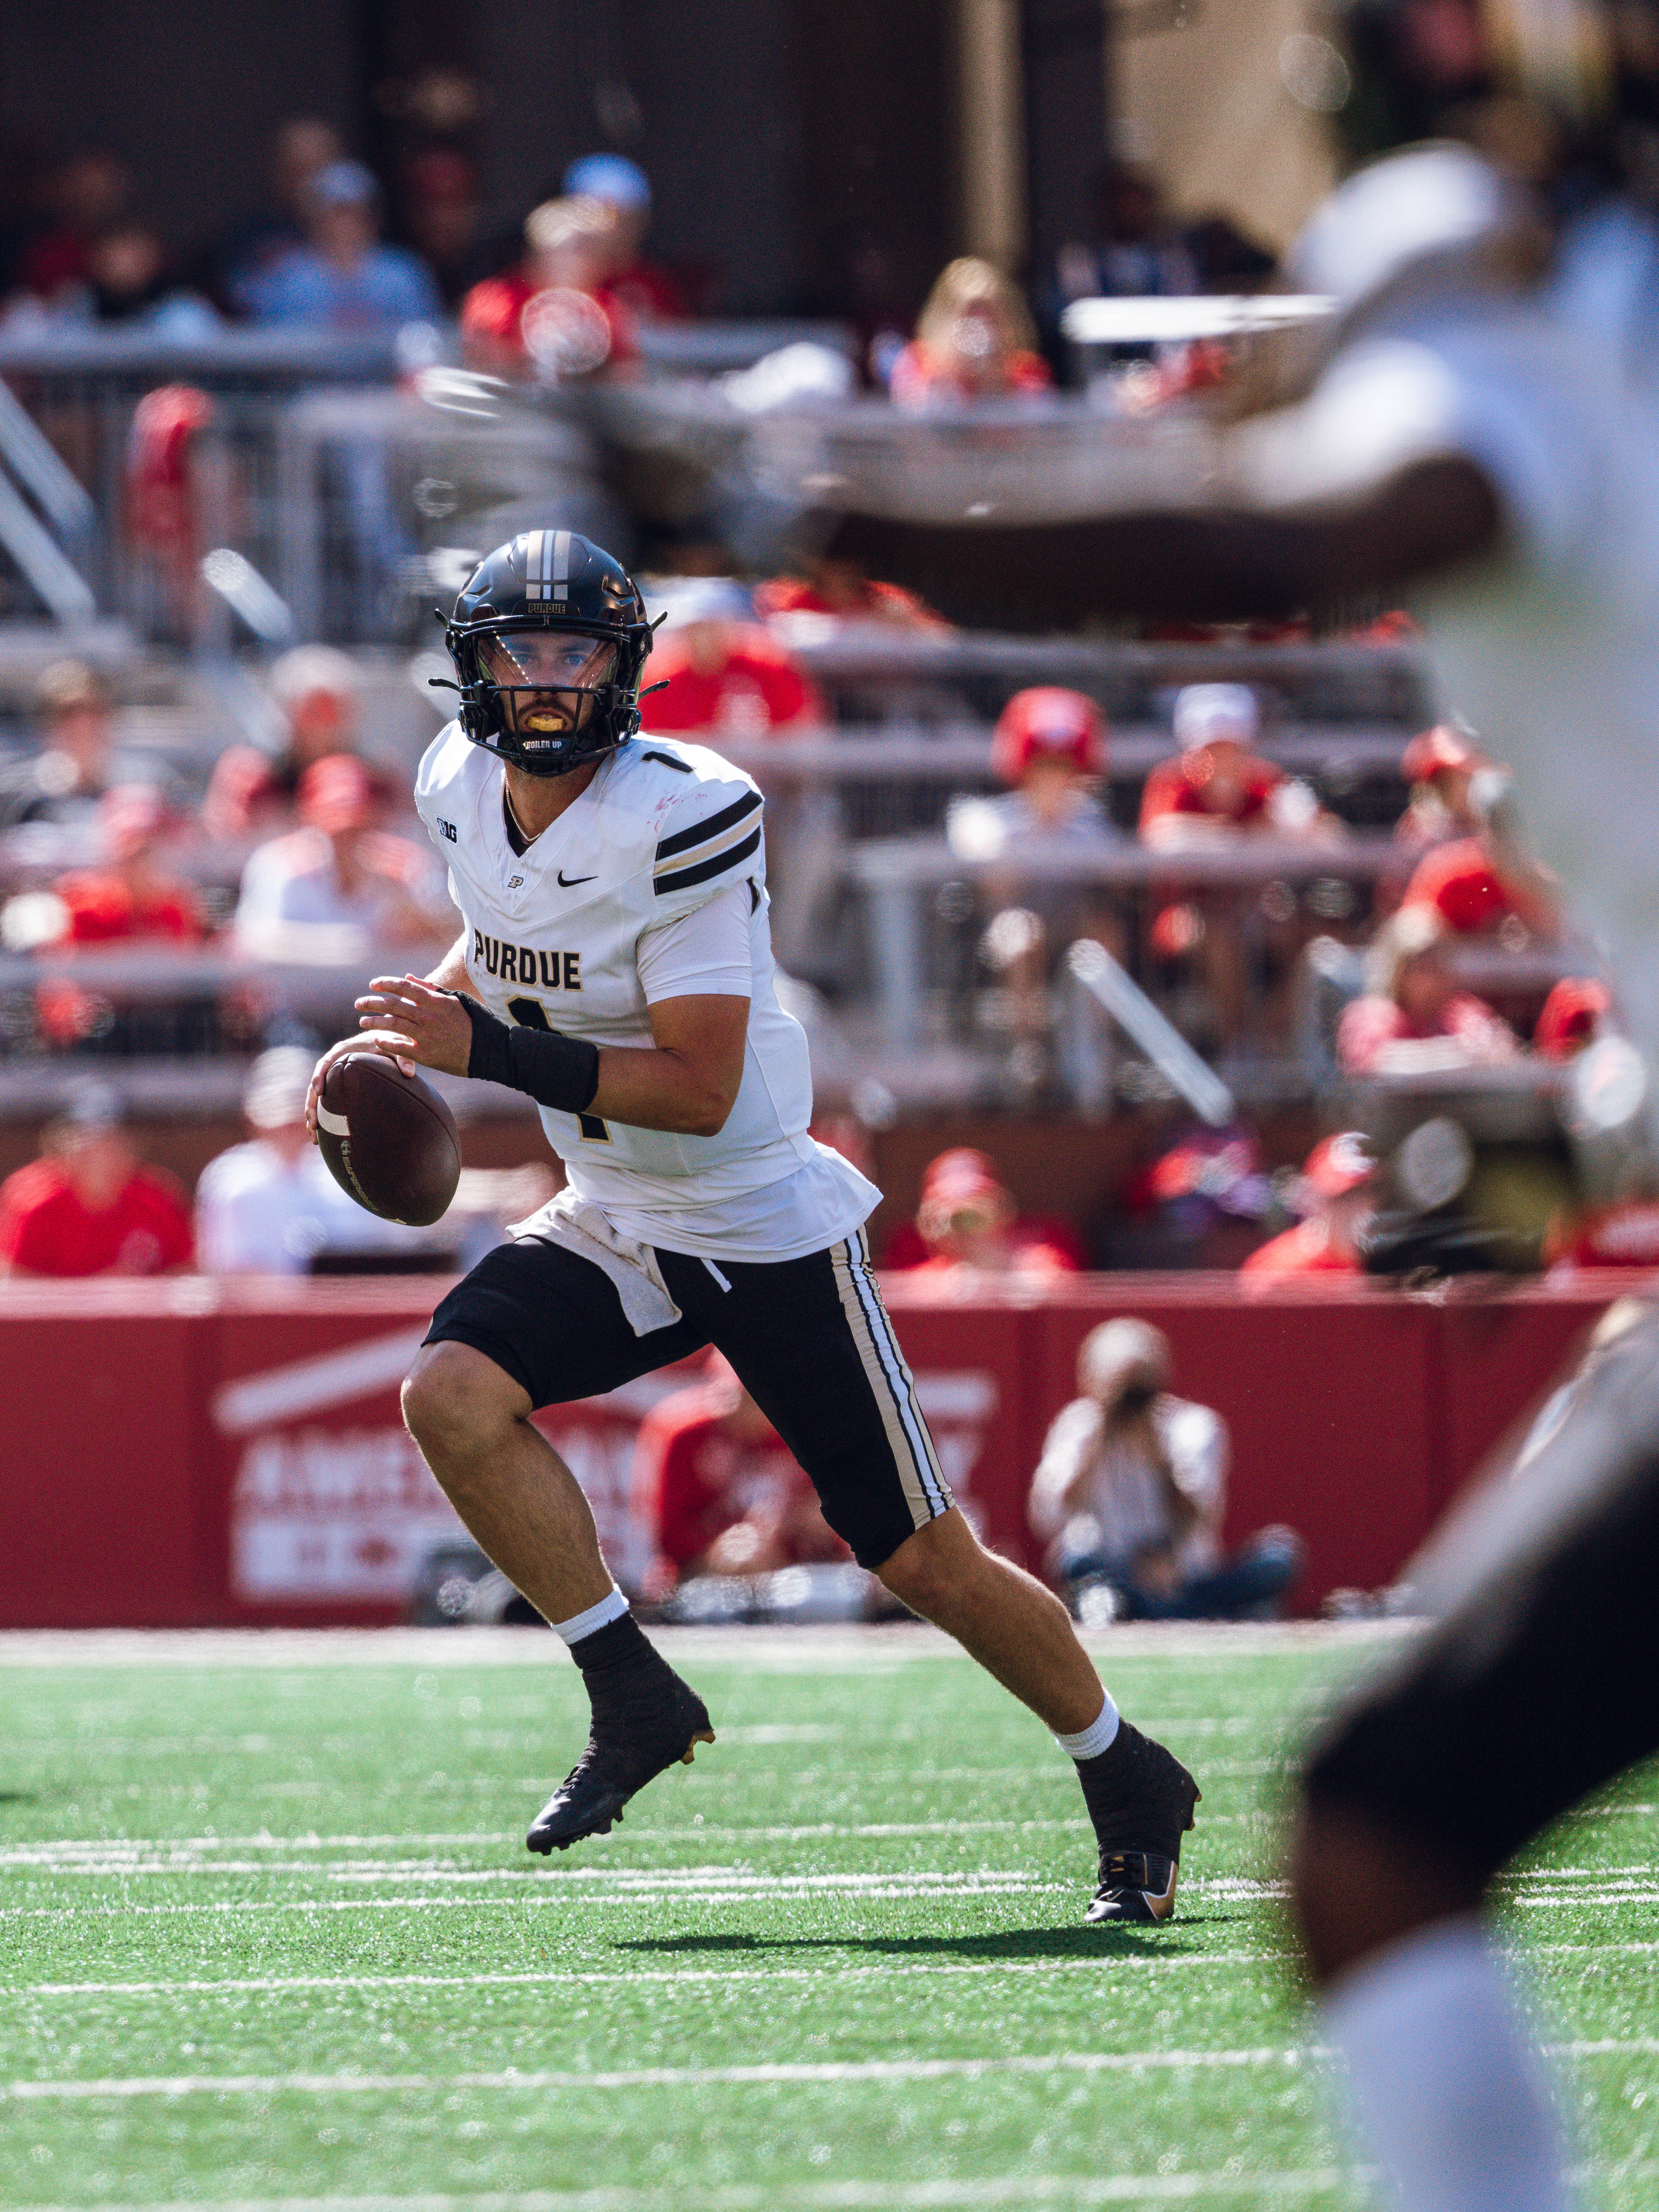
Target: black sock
(621,1646)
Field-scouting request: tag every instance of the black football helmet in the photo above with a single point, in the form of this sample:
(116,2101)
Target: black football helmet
(550,638)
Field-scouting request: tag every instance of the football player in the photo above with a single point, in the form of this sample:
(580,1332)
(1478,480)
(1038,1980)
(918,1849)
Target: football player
(616,964)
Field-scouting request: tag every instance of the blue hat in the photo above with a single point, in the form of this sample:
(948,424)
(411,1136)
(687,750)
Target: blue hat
(609,177)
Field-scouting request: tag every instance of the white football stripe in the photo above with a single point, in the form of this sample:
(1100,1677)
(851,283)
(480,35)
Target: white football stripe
(654,2077)
(1134,1961)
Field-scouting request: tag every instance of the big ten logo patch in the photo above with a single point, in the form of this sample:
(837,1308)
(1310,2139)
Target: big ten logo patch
(527,964)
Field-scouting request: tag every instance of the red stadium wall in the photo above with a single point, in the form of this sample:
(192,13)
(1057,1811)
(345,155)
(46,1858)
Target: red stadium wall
(186,1452)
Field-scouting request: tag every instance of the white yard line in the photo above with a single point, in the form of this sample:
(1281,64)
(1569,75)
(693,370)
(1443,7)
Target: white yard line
(556,1977)
(851,1649)
(823,2196)
(656,2077)
(704,2077)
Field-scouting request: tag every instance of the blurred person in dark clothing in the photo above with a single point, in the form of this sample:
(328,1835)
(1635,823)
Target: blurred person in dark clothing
(85,194)
(441,211)
(646,288)
(71,770)
(974,340)
(87,1207)
(342,278)
(319,693)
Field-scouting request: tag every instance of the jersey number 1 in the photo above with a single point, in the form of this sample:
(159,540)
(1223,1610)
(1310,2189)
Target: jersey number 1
(531,1014)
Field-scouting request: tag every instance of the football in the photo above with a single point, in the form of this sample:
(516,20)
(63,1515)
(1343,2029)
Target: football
(388,1138)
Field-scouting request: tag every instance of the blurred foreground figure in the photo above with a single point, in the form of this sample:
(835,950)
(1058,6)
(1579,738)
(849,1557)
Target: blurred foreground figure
(1498,447)
(1131,1492)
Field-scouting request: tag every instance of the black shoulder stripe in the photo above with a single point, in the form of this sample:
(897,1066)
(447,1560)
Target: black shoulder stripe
(680,767)
(683,878)
(701,832)
(754,895)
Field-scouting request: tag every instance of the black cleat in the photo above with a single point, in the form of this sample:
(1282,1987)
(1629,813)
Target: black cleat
(1140,1798)
(641,1724)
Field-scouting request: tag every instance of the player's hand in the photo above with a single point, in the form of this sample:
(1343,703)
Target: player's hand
(319,1073)
(409,1018)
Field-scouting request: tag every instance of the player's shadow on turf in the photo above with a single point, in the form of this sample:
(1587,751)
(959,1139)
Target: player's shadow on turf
(1006,1943)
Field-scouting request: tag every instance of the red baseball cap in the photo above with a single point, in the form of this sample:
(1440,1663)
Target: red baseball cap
(1570,1014)
(1338,1164)
(337,792)
(1048,723)
(1443,746)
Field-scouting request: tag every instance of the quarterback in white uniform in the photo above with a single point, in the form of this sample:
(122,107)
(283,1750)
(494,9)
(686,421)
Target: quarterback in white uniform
(616,964)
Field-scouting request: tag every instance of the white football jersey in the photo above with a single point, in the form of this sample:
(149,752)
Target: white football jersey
(552,940)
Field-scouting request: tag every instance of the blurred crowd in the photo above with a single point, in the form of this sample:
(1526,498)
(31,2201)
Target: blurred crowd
(331,247)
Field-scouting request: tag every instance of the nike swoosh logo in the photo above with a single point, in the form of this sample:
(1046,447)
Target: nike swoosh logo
(570,882)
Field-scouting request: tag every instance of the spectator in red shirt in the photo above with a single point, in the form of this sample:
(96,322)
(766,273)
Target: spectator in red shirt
(86,1207)
(133,894)
(1484,886)
(722,673)
(1338,1192)
(645,289)
(556,316)
(1571,1017)
(318,695)
(840,589)
(719,1489)
(972,1235)
(1413,1019)
(974,340)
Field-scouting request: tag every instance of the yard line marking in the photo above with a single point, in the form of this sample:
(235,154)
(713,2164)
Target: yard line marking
(474,1903)
(555,1976)
(704,2077)
(656,2077)
(826,2196)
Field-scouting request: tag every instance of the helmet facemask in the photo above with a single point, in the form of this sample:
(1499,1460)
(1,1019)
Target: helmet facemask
(546,698)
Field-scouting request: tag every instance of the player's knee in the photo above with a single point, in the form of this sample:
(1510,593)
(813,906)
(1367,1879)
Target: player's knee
(929,1570)
(452,1398)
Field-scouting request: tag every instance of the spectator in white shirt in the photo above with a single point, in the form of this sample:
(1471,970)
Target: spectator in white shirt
(339,889)
(270,1206)
(1131,1490)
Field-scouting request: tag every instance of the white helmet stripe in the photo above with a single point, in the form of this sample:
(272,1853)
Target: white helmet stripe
(560,563)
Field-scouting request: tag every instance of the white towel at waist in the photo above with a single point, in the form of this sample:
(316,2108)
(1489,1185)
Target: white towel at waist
(580,1227)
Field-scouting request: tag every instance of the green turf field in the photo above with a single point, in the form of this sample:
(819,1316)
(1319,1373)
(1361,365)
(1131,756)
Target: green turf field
(268,1932)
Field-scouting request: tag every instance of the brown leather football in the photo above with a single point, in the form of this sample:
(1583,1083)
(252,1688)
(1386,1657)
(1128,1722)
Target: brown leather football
(388,1138)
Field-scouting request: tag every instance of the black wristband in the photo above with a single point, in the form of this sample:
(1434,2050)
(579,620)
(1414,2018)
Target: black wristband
(549,1066)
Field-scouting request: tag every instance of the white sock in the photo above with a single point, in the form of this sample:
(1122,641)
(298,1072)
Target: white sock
(597,1616)
(1445,2086)
(1100,1735)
